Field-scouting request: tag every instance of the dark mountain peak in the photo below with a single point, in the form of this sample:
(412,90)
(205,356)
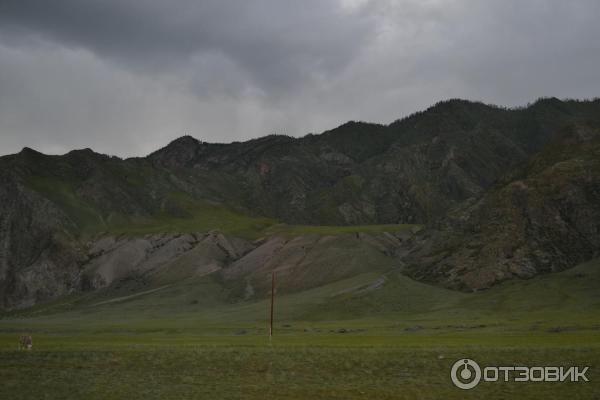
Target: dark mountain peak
(459,105)
(28,156)
(352,126)
(184,140)
(181,142)
(454,102)
(272,138)
(548,101)
(85,159)
(30,151)
(179,153)
(443,113)
(357,124)
(82,152)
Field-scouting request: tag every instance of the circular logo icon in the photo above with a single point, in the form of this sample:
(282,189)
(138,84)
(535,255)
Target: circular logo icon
(465,374)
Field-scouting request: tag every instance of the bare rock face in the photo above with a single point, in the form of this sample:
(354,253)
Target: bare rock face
(301,262)
(172,256)
(255,259)
(39,258)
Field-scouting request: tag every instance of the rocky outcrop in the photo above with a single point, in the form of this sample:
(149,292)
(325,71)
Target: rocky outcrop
(544,217)
(170,257)
(39,257)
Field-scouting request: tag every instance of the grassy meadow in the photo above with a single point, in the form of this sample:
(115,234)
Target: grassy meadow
(291,367)
(333,342)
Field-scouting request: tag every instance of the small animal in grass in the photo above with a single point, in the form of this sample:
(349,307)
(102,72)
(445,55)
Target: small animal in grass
(25,342)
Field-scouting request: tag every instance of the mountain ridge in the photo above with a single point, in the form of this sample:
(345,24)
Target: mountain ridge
(412,171)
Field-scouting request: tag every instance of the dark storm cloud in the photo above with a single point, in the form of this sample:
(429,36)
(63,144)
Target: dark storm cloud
(125,77)
(277,43)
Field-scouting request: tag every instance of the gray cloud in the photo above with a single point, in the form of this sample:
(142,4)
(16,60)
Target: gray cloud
(125,77)
(277,43)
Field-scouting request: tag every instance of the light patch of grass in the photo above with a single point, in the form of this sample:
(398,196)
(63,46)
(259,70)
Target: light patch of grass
(326,230)
(62,193)
(203,217)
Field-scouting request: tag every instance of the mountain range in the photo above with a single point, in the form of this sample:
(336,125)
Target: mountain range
(462,195)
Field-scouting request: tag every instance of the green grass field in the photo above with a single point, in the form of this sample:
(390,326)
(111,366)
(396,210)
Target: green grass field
(338,341)
(292,367)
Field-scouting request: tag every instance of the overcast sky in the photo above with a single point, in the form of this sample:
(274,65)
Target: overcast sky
(125,77)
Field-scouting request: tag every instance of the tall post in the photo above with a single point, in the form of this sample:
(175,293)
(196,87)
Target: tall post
(272,300)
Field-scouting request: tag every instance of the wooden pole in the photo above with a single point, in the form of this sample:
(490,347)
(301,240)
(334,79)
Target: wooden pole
(272,300)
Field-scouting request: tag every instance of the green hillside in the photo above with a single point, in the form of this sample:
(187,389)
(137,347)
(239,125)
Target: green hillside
(566,301)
